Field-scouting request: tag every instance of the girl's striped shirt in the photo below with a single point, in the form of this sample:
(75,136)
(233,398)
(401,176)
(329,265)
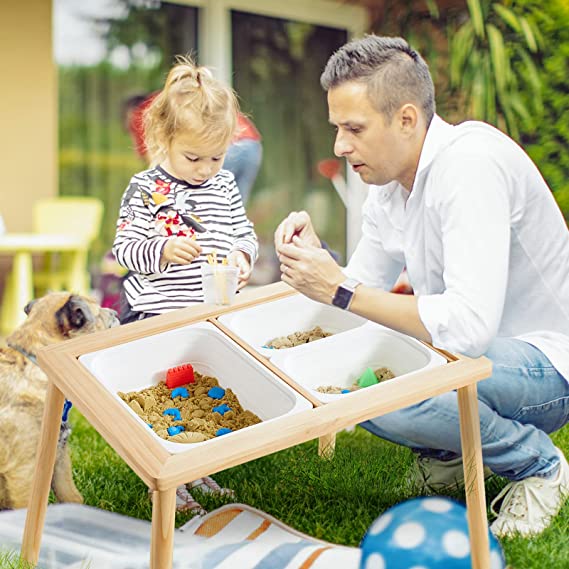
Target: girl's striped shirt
(157,206)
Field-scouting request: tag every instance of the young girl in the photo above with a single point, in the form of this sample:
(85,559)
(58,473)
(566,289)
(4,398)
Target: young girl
(160,234)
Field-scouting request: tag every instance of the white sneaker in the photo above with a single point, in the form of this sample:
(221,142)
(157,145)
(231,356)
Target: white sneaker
(530,505)
(432,476)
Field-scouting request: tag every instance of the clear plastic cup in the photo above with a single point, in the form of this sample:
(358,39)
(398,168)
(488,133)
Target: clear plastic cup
(219,283)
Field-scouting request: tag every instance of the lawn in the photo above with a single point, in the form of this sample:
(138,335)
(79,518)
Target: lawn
(333,500)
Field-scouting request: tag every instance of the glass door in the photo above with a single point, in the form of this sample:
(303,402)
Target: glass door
(276,71)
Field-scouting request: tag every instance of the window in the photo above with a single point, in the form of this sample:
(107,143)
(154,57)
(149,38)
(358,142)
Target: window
(107,51)
(276,72)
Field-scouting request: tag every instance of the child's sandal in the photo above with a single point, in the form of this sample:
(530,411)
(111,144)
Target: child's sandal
(208,485)
(185,502)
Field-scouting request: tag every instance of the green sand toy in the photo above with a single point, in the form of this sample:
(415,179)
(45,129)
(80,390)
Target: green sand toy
(367,378)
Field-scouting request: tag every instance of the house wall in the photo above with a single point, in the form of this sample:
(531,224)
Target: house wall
(28,110)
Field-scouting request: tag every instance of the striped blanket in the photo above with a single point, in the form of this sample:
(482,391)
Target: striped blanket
(238,536)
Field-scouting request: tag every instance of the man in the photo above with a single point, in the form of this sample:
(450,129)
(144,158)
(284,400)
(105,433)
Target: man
(487,254)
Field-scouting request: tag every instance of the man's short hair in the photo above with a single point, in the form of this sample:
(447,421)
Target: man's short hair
(394,73)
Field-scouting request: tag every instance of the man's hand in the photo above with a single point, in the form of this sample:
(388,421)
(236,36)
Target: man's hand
(310,270)
(241,260)
(180,250)
(297,223)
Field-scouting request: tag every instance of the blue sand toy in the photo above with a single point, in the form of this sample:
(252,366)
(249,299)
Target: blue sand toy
(221,409)
(175,430)
(180,392)
(216,392)
(223,431)
(174,412)
(431,533)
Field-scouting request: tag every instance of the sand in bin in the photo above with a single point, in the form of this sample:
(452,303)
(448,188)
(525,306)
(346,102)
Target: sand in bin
(197,417)
(298,338)
(382,374)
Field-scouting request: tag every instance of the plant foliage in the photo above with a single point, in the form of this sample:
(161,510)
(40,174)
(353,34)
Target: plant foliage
(492,62)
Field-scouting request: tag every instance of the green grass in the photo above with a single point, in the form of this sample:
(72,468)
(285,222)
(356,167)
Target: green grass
(10,560)
(333,500)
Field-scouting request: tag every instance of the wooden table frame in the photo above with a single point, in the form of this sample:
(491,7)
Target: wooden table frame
(163,471)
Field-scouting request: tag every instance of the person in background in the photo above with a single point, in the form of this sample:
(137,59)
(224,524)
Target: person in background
(487,253)
(188,128)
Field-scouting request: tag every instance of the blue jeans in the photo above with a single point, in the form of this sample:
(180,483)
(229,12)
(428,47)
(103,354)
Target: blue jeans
(243,160)
(524,400)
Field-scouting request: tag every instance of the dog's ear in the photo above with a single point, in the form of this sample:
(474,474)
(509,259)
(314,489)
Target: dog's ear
(74,314)
(28,307)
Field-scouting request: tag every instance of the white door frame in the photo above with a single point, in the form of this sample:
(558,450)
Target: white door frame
(214,41)
(214,28)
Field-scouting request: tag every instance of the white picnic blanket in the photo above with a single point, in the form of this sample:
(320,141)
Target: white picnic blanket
(234,536)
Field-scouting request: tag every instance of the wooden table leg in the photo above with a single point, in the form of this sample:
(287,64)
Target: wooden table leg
(163,518)
(474,476)
(18,291)
(327,445)
(45,462)
(24,286)
(77,278)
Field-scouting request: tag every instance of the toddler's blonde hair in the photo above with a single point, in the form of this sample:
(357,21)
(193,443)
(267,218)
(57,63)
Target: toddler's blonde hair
(192,103)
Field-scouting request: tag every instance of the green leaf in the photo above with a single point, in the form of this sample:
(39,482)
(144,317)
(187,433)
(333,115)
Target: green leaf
(531,72)
(433,9)
(477,17)
(508,17)
(461,47)
(498,57)
(521,110)
(540,40)
(479,92)
(528,34)
(511,123)
(490,112)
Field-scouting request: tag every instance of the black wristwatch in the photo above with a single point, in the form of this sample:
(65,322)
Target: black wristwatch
(345,293)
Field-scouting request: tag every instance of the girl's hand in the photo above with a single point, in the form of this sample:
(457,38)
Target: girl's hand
(180,250)
(240,260)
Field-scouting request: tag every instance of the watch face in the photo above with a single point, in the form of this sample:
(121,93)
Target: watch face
(342,297)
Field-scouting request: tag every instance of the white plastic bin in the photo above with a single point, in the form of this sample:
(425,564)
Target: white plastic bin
(262,323)
(341,359)
(143,363)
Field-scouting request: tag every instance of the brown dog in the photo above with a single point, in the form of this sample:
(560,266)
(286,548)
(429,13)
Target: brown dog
(54,318)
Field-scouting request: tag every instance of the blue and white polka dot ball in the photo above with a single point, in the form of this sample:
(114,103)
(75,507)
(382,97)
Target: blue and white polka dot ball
(423,533)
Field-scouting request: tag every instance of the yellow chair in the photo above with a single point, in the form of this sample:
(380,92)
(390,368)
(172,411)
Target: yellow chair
(77,216)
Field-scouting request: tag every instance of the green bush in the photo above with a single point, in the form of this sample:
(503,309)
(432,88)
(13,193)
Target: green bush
(548,145)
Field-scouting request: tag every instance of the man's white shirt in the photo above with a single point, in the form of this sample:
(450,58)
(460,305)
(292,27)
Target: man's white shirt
(485,245)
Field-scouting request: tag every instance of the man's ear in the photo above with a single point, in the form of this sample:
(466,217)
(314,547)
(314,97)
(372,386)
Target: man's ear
(408,117)
(74,314)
